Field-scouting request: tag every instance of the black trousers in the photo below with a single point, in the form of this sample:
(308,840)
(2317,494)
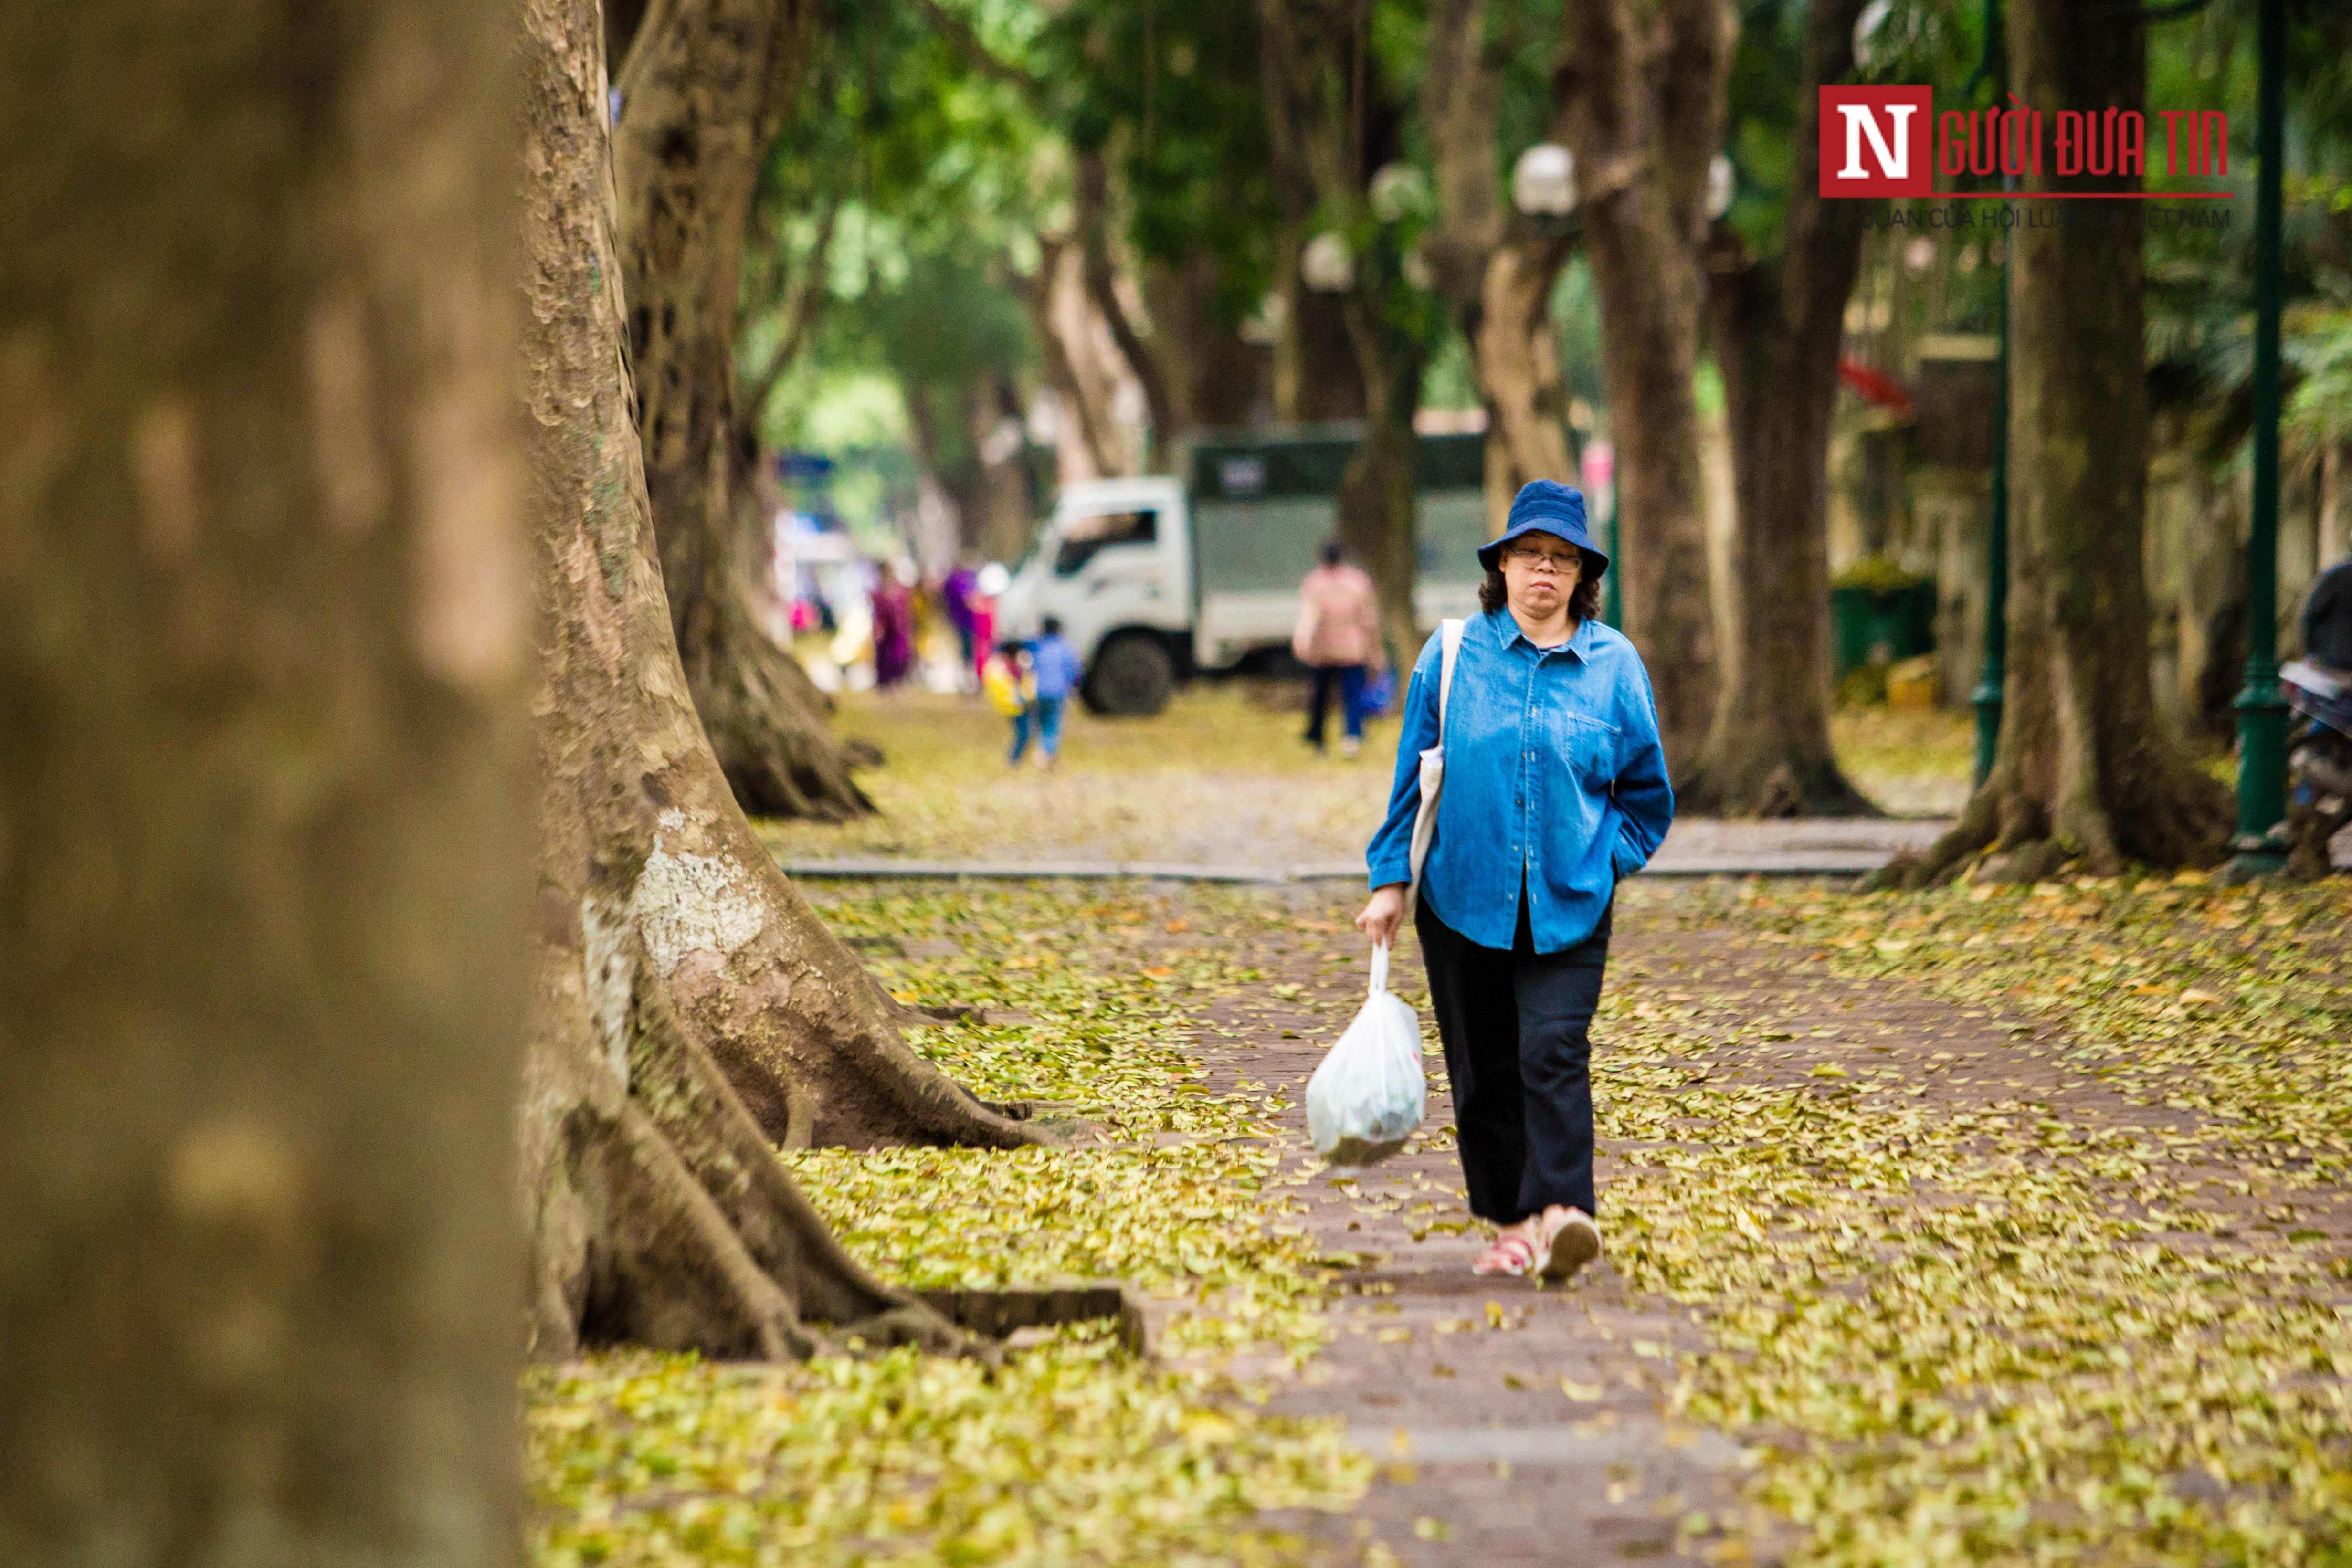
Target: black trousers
(1517,1032)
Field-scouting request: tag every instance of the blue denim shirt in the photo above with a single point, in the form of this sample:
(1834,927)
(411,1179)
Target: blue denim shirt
(1553,776)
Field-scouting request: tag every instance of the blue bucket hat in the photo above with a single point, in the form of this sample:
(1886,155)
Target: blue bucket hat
(1546,506)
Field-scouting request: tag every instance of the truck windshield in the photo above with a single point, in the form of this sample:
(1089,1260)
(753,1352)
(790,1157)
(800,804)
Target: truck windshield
(1087,537)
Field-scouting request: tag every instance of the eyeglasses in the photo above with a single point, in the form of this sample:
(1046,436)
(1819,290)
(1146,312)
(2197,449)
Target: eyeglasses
(1546,561)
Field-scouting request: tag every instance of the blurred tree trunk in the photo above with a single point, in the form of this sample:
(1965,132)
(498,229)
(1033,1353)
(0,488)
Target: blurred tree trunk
(692,1011)
(1059,317)
(1314,374)
(1329,123)
(1643,87)
(264,810)
(705,86)
(1378,497)
(1099,269)
(1216,379)
(1496,274)
(1777,324)
(1516,351)
(2085,765)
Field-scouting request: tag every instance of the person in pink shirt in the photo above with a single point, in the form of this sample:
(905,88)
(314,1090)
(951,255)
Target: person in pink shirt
(1339,638)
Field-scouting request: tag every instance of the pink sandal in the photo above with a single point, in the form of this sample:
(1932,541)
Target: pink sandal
(1511,1254)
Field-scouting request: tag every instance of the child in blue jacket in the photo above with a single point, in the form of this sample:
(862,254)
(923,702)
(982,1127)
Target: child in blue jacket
(1054,664)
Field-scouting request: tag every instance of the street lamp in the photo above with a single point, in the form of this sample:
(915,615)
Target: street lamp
(1327,264)
(1543,181)
(1722,184)
(1398,191)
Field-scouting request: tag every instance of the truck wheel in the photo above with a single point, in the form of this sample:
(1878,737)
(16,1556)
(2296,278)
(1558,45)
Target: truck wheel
(1131,678)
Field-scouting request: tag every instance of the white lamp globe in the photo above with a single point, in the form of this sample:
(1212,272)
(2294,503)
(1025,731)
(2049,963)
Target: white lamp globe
(1327,264)
(1722,184)
(1399,191)
(1543,181)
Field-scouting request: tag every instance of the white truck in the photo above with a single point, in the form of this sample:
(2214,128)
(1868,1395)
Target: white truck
(1154,580)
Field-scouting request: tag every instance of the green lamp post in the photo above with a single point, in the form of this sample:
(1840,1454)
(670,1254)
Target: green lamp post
(1986,698)
(2261,713)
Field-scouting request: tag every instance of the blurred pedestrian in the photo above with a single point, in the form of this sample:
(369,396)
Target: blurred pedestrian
(991,581)
(1555,787)
(894,628)
(1339,638)
(1009,684)
(956,596)
(1054,666)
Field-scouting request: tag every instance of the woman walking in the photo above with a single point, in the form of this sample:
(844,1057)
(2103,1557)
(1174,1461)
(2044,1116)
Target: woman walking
(1555,789)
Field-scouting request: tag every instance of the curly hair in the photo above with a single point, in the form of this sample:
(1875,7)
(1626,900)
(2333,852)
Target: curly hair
(1583,601)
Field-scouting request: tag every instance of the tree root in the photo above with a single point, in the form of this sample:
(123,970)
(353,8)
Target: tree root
(767,721)
(2007,834)
(693,1234)
(1771,787)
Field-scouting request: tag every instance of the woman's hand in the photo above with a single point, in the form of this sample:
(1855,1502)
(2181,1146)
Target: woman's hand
(1383,915)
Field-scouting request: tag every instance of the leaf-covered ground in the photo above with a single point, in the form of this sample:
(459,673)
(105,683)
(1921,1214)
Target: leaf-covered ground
(2090,1305)
(1072,1452)
(2014,1224)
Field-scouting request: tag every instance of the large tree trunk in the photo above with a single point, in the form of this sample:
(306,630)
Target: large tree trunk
(264,830)
(1495,282)
(1644,91)
(1778,323)
(692,1010)
(1090,445)
(1316,373)
(1100,273)
(1329,123)
(2085,765)
(704,89)
(1378,495)
(1216,379)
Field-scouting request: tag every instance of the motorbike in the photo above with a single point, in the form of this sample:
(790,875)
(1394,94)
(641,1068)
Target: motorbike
(2318,762)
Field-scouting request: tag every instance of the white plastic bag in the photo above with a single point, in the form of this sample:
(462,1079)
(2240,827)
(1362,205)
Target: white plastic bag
(1367,1095)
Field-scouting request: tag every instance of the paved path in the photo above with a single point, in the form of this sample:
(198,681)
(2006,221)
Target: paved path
(1514,1426)
(1695,847)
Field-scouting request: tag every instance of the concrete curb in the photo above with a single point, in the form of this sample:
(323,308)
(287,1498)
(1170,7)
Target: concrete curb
(1794,863)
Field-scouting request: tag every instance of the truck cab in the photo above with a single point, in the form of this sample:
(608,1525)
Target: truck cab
(1154,578)
(1114,565)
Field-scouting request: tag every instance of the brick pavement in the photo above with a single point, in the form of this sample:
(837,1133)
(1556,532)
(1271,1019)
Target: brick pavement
(1518,1426)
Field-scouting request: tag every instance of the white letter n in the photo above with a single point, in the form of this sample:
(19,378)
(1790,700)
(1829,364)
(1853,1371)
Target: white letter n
(1894,161)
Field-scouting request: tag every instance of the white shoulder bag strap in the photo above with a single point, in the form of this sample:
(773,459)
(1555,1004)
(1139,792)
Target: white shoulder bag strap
(1433,763)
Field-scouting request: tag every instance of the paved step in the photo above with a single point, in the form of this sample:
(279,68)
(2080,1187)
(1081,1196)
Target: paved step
(1699,847)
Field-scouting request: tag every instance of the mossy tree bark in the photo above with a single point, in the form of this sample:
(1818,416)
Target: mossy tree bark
(2086,766)
(264,805)
(1642,86)
(1778,323)
(704,90)
(692,1010)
